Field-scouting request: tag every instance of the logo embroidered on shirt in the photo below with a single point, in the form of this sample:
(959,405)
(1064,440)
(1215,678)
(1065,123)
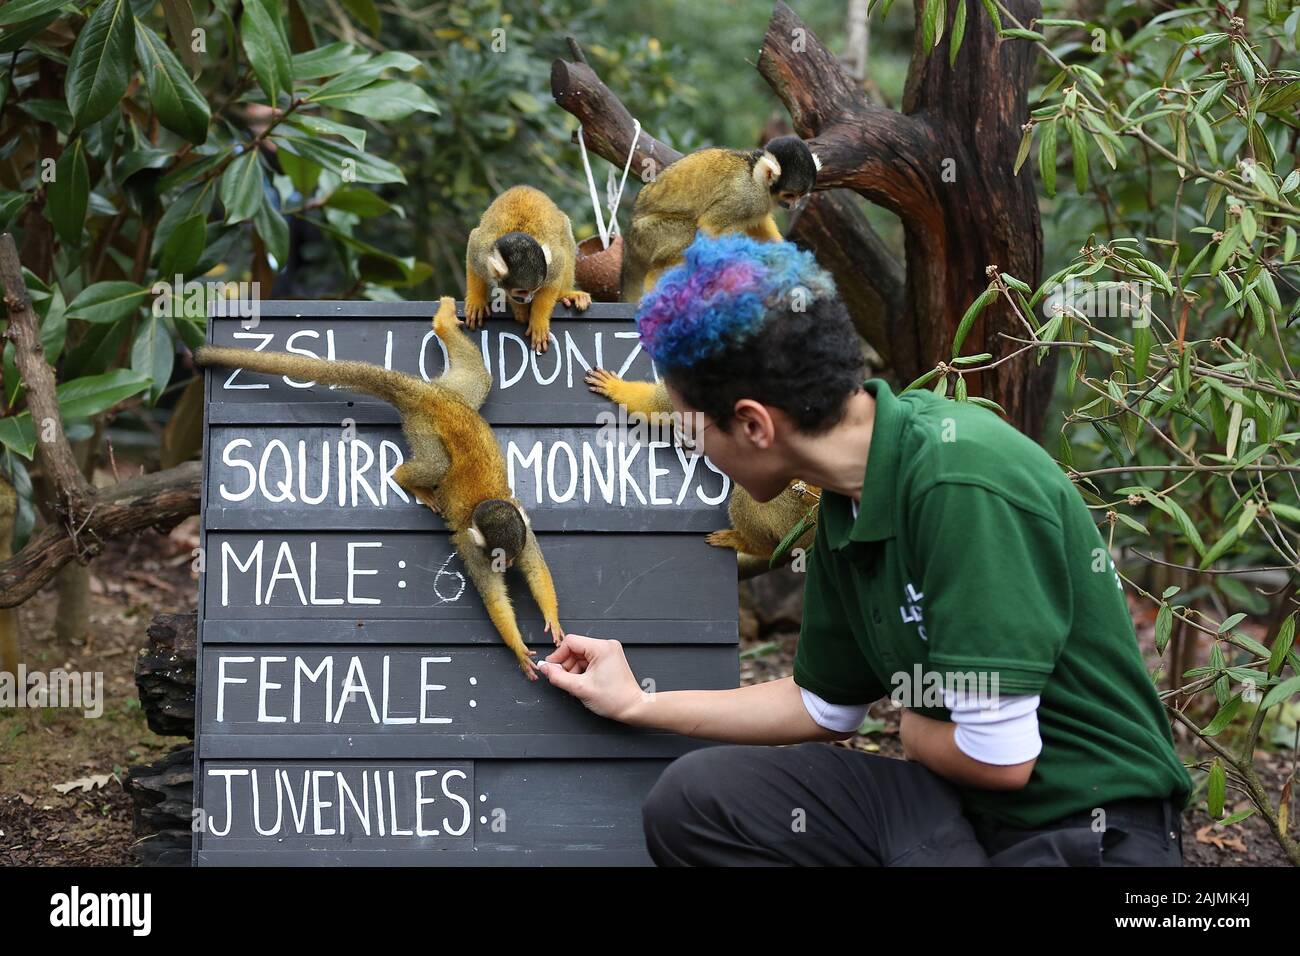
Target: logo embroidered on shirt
(911,610)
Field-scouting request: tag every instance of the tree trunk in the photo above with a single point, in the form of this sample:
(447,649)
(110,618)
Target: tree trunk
(72,616)
(944,166)
(10,649)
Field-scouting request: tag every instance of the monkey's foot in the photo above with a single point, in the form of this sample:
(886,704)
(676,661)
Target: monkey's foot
(601,382)
(727,538)
(539,336)
(577,299)
(476,310)
(555,630)
(527,666)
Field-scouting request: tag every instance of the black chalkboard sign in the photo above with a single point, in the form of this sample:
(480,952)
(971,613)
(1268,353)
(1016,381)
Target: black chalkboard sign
(355,705)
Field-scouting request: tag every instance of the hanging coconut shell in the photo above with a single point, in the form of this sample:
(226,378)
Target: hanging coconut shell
(597,269)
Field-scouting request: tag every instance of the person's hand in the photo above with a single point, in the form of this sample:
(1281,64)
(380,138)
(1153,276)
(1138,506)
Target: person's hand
(595,672)
(906,728)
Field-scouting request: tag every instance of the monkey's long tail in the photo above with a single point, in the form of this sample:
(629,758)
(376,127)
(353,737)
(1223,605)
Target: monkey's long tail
(403,391)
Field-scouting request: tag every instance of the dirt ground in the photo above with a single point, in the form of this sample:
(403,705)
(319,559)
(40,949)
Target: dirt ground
(91,823)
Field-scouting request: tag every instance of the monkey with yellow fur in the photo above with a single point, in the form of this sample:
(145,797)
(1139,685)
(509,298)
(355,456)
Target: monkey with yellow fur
(524,245)
(456,466)
(756,528)
(712,191)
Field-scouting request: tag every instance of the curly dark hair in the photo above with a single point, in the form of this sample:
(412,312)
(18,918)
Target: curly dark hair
(806,363)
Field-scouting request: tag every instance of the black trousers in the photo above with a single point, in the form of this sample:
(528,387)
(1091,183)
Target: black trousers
(819,805)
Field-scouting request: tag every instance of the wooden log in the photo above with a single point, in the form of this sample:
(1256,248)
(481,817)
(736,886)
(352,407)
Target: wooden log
(164,673)
(163,796)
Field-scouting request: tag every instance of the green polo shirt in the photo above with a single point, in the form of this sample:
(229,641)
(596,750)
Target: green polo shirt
(974,564)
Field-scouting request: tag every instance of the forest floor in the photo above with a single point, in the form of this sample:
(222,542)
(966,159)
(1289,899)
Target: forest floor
(42,752)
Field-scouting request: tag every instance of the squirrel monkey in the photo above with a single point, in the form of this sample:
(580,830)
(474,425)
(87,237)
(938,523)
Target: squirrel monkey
(456,466)
(756,527)
(524,245)
(716,191)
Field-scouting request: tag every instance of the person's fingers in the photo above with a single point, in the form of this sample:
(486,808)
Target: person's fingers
(561,678)
(584,646)
(562,653)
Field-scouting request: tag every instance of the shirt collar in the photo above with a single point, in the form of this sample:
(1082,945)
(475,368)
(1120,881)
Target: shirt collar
(875,521)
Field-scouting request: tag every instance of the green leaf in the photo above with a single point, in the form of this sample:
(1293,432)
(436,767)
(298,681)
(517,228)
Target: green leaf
(1222,718)
(84,397)
(242,186)
(319,126)
(1164,627)
(101,62)
(1230,622)
(1207,138)
(68,196)
(18,435)
(177,101)
(917,383)
(1079,157)
(107,301)
(365,13)
(1210,97)
(21,11)
(971,314)
(1281,692)
(793,535)
(1185,524)
(1244,66)
(349,164)
(1023,151)
(267,50)
(1281,645)
(1215,790)
(1047,158)
(934,18)
(181,251)
(152,354)
(1220,548)
(11,204)
(329,60)
(270,225)
(381,100)
(958,31)
(361,202)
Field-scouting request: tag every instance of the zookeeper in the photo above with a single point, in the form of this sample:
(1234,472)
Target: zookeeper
(949,547)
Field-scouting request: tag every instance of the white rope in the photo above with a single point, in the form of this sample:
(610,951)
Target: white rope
(607,232)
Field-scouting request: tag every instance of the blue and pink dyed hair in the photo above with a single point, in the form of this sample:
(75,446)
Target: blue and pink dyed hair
(724,292)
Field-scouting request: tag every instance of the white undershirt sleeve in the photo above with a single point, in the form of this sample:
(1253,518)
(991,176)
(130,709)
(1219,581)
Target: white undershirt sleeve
(838,717)
(1002,732)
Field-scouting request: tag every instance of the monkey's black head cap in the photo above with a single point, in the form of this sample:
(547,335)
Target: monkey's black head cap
(798,168)
(524,259)
(502,526)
